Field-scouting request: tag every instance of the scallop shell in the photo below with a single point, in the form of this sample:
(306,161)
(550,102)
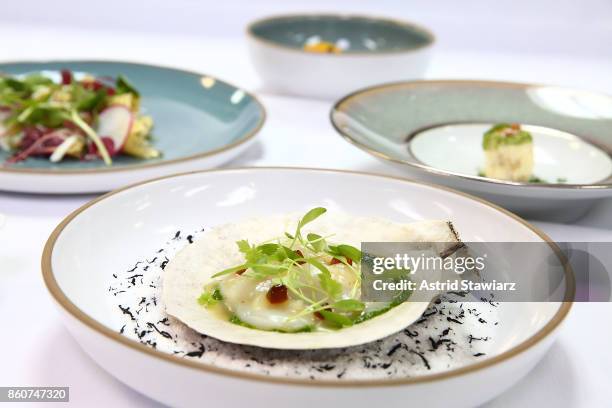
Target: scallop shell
(186,274)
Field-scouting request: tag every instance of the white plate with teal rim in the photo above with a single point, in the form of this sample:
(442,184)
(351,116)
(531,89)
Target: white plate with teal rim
(150,219)
(200,122)
(329,55)
(433,130)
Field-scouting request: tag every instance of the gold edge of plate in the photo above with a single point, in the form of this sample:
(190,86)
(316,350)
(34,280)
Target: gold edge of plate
(354,97)
(431,37)
(91,323)
(106,170)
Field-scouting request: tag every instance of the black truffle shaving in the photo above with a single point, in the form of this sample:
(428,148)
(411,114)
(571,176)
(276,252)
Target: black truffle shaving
(411,334)
(135,266)
(126,311)
(162,332)
(450,319)
(197,353)
(435,335)
(425,361)
(393,350)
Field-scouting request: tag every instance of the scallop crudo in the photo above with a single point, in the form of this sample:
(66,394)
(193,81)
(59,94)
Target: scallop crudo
(292,282)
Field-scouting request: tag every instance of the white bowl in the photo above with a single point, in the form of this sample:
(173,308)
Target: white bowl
(375,50)
(110,233)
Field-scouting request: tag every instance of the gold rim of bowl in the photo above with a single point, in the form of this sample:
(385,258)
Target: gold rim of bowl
(91,323)
(431,38)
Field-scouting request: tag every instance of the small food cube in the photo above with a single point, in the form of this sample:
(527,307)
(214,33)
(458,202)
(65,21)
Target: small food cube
(508,153)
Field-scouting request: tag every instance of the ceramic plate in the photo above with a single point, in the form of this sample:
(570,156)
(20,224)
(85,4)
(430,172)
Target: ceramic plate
(143,218)
(433,130)
(368,50)
(200,122)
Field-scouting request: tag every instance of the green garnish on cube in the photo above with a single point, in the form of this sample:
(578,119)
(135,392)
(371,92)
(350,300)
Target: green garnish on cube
(505,134)
(508,153)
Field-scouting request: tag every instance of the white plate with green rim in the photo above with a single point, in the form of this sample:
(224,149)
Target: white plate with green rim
(77,273)
(433,131)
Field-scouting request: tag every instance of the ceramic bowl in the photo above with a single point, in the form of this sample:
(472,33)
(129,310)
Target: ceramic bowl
(111,232)
(372,50)
(199,122)
(433,131)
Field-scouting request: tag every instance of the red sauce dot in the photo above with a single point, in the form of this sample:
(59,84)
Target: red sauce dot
(277,294)
(335,261)
(301,255)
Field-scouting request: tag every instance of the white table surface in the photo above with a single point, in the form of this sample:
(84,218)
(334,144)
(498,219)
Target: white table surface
(35,350)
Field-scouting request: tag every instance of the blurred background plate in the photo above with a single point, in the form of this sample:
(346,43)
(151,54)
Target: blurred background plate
(572,132)
(142,217)
(361,51)
(200,122)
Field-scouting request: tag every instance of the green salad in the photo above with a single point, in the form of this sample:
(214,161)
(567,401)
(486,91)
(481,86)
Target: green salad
(74,116)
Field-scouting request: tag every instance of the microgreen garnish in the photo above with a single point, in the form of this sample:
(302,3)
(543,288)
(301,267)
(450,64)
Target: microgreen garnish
(307,218)
(349,305)
(316,241)
(124,86)
(38,114)
(336,319)
(210,298)
(347,251)
(308,269)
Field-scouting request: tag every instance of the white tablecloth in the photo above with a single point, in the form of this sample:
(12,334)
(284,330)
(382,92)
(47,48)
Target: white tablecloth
(36,350)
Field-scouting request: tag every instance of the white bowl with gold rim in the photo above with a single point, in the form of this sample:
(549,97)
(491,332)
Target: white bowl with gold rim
(363,51)
(140,218)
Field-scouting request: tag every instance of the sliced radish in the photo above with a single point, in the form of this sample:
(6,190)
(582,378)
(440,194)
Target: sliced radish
(115,122)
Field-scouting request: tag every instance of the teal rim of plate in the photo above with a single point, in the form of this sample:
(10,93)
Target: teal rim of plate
(127,163)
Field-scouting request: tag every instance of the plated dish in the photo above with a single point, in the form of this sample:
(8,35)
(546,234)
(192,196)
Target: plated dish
(256,281)
(74,116)
(116,123)
(508,152)
(118,311)
(329,55)
(434,131)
